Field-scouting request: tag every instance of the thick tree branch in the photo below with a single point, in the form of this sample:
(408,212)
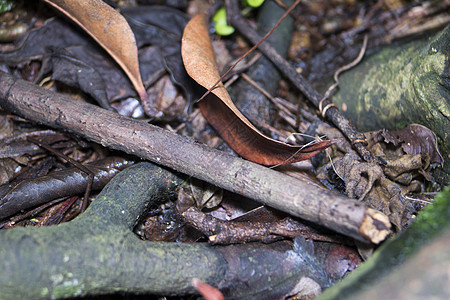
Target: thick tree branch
(267,186)
(97,253)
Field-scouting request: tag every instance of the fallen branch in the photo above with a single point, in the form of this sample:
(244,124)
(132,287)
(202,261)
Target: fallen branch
(267,186)
(228,232)
(28,193)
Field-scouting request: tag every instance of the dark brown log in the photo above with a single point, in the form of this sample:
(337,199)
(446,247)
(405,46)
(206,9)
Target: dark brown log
(267,186)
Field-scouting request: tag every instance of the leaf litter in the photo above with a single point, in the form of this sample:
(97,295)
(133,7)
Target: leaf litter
(107,26)
(382,189)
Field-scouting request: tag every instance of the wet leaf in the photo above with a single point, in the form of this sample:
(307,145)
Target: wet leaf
(163,26)
(61,47)
(222,114)
(110,29)
(155,24)
(415,139)
(74,72)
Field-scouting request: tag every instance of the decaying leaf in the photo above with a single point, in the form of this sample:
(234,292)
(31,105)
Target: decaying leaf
(205,194)
(379,188)
(367,182)
(222,114)
(415,139)
(74,72)
(72,57)
(110,29)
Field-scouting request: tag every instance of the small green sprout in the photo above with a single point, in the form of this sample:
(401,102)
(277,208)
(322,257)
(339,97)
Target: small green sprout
(220,20)
(254,3)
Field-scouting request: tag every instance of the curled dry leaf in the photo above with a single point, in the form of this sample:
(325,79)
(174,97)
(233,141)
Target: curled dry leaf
(223,115)
(110,29)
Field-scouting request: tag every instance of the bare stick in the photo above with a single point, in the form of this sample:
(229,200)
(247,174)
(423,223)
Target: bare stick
(182,154)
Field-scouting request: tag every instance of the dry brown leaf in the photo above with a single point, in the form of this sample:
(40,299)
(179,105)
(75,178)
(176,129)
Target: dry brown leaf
(415,139)
(222,114)
(110,29)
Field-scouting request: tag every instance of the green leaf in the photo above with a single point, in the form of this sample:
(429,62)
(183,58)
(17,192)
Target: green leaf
(254,3)
(6,5)
(220,20)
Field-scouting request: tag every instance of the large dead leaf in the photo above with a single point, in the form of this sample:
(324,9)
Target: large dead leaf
(222,114)
(77,60)
(110,30)
(415,139)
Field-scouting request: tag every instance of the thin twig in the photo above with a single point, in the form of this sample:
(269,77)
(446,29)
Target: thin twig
(256,86)
(316,34)
(265,93)
(251,49)
(290,116)
(244,67)
(73,162)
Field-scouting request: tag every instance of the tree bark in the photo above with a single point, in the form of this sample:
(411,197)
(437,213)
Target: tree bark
(269,187)
(414,282)
(98,253)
